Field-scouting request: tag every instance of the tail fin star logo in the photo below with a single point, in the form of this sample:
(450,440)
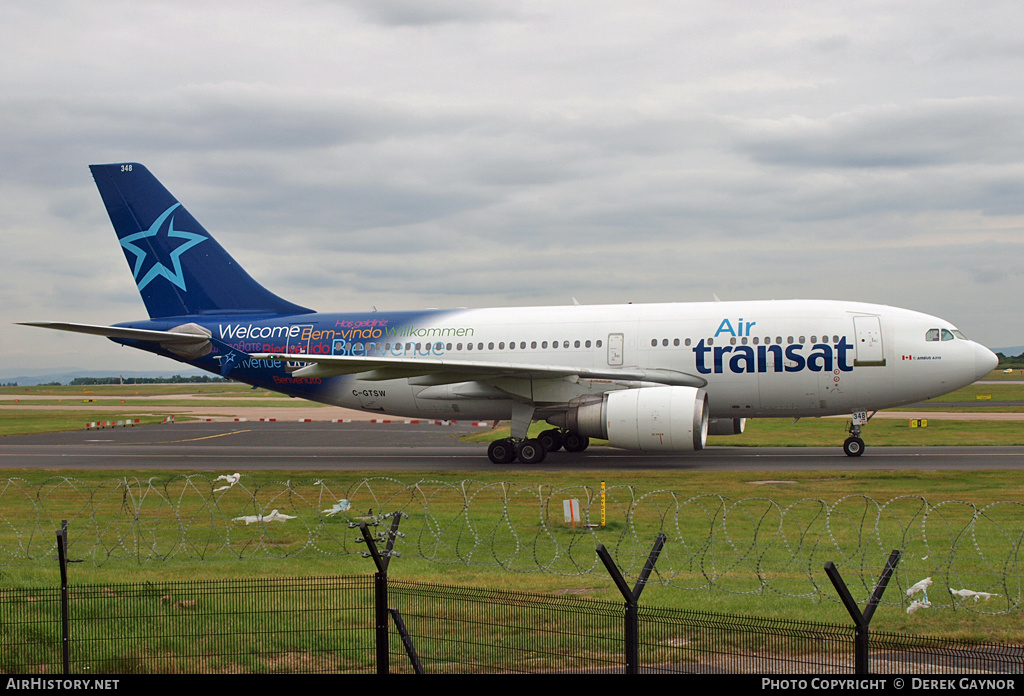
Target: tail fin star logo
(190,239)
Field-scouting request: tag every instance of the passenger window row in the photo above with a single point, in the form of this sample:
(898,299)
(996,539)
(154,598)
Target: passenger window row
(744,340)
(502,345)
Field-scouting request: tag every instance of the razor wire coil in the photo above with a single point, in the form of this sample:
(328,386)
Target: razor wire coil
(752,545)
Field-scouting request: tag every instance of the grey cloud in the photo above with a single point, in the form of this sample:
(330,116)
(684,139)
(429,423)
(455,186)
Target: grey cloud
(926,133)
(416,13)
(410,154)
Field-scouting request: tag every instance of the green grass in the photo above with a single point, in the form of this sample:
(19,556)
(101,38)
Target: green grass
(63,404)
(732,593)
(983,392)
(729,596)
(211,401)
(998,374)
(880,432)
(130,389)
(38,421)
(148,395)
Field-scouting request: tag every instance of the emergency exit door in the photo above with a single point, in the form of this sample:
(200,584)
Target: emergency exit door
(615,349)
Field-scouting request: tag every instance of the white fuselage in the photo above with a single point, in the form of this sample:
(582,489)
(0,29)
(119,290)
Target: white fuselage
(759,359)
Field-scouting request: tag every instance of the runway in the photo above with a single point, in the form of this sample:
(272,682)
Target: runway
(398,446)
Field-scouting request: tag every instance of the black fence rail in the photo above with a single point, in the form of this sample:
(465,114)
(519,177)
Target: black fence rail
(352,624)
(694,642)
(328,625)
(463,630)
(315,624)
(893,653)
(30,631)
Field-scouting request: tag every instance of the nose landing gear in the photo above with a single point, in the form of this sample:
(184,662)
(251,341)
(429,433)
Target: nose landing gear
(854,445)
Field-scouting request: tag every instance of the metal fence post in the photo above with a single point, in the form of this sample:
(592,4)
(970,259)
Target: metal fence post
(65,624)
(380,588)
(862,620)
(631,627)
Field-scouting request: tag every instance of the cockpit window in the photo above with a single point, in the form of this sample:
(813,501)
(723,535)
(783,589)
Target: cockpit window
(943,335)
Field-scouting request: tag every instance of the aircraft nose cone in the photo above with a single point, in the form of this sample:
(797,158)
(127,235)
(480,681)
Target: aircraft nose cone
(984,361)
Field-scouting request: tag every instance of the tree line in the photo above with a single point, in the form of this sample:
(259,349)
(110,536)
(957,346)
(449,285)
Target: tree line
(176,379)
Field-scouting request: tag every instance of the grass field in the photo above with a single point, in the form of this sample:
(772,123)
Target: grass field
(734,591)
(979,488)
(63,408)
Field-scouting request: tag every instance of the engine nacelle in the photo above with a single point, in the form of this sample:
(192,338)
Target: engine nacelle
(668,419)
(727,426)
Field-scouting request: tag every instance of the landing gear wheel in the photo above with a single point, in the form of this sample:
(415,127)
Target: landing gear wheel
(854,447)
(501,451)
(574,442)
(551,440)
(530,452)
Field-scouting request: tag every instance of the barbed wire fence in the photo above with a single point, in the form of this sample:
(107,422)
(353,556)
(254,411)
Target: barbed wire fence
(752,545)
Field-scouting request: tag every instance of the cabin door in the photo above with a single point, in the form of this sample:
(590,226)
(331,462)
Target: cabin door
(870,353)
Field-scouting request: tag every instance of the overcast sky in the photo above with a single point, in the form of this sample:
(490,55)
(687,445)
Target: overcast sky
(402,154)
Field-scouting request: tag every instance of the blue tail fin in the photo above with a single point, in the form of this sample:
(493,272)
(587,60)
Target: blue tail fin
(179,268)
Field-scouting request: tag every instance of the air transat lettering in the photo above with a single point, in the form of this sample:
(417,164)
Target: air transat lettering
(742,329)
(823,357)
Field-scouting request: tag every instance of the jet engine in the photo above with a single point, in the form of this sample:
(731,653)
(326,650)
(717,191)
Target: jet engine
(727,426)
(668,419)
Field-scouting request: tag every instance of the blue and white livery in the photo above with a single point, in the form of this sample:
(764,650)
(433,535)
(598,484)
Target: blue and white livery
(647,377)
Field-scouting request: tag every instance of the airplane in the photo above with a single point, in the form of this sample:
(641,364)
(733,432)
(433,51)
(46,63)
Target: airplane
(643,377)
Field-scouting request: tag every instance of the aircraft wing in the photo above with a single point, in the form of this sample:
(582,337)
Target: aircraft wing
(433,371)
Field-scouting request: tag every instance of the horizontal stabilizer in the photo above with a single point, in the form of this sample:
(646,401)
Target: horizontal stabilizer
(191,343)
(121,332)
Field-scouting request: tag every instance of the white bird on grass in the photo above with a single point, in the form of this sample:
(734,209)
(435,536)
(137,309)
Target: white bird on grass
(921,586)
(232,480)
(274,516)
(965,593)
(340,506)
(917,604)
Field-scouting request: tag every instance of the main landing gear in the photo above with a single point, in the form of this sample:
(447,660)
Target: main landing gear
(533,451)
(854,445)
(507,450)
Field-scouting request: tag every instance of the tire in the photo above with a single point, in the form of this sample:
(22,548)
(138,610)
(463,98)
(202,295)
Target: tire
(853,447)
(551,439)
(574,442)
(531,452)
(501,451)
